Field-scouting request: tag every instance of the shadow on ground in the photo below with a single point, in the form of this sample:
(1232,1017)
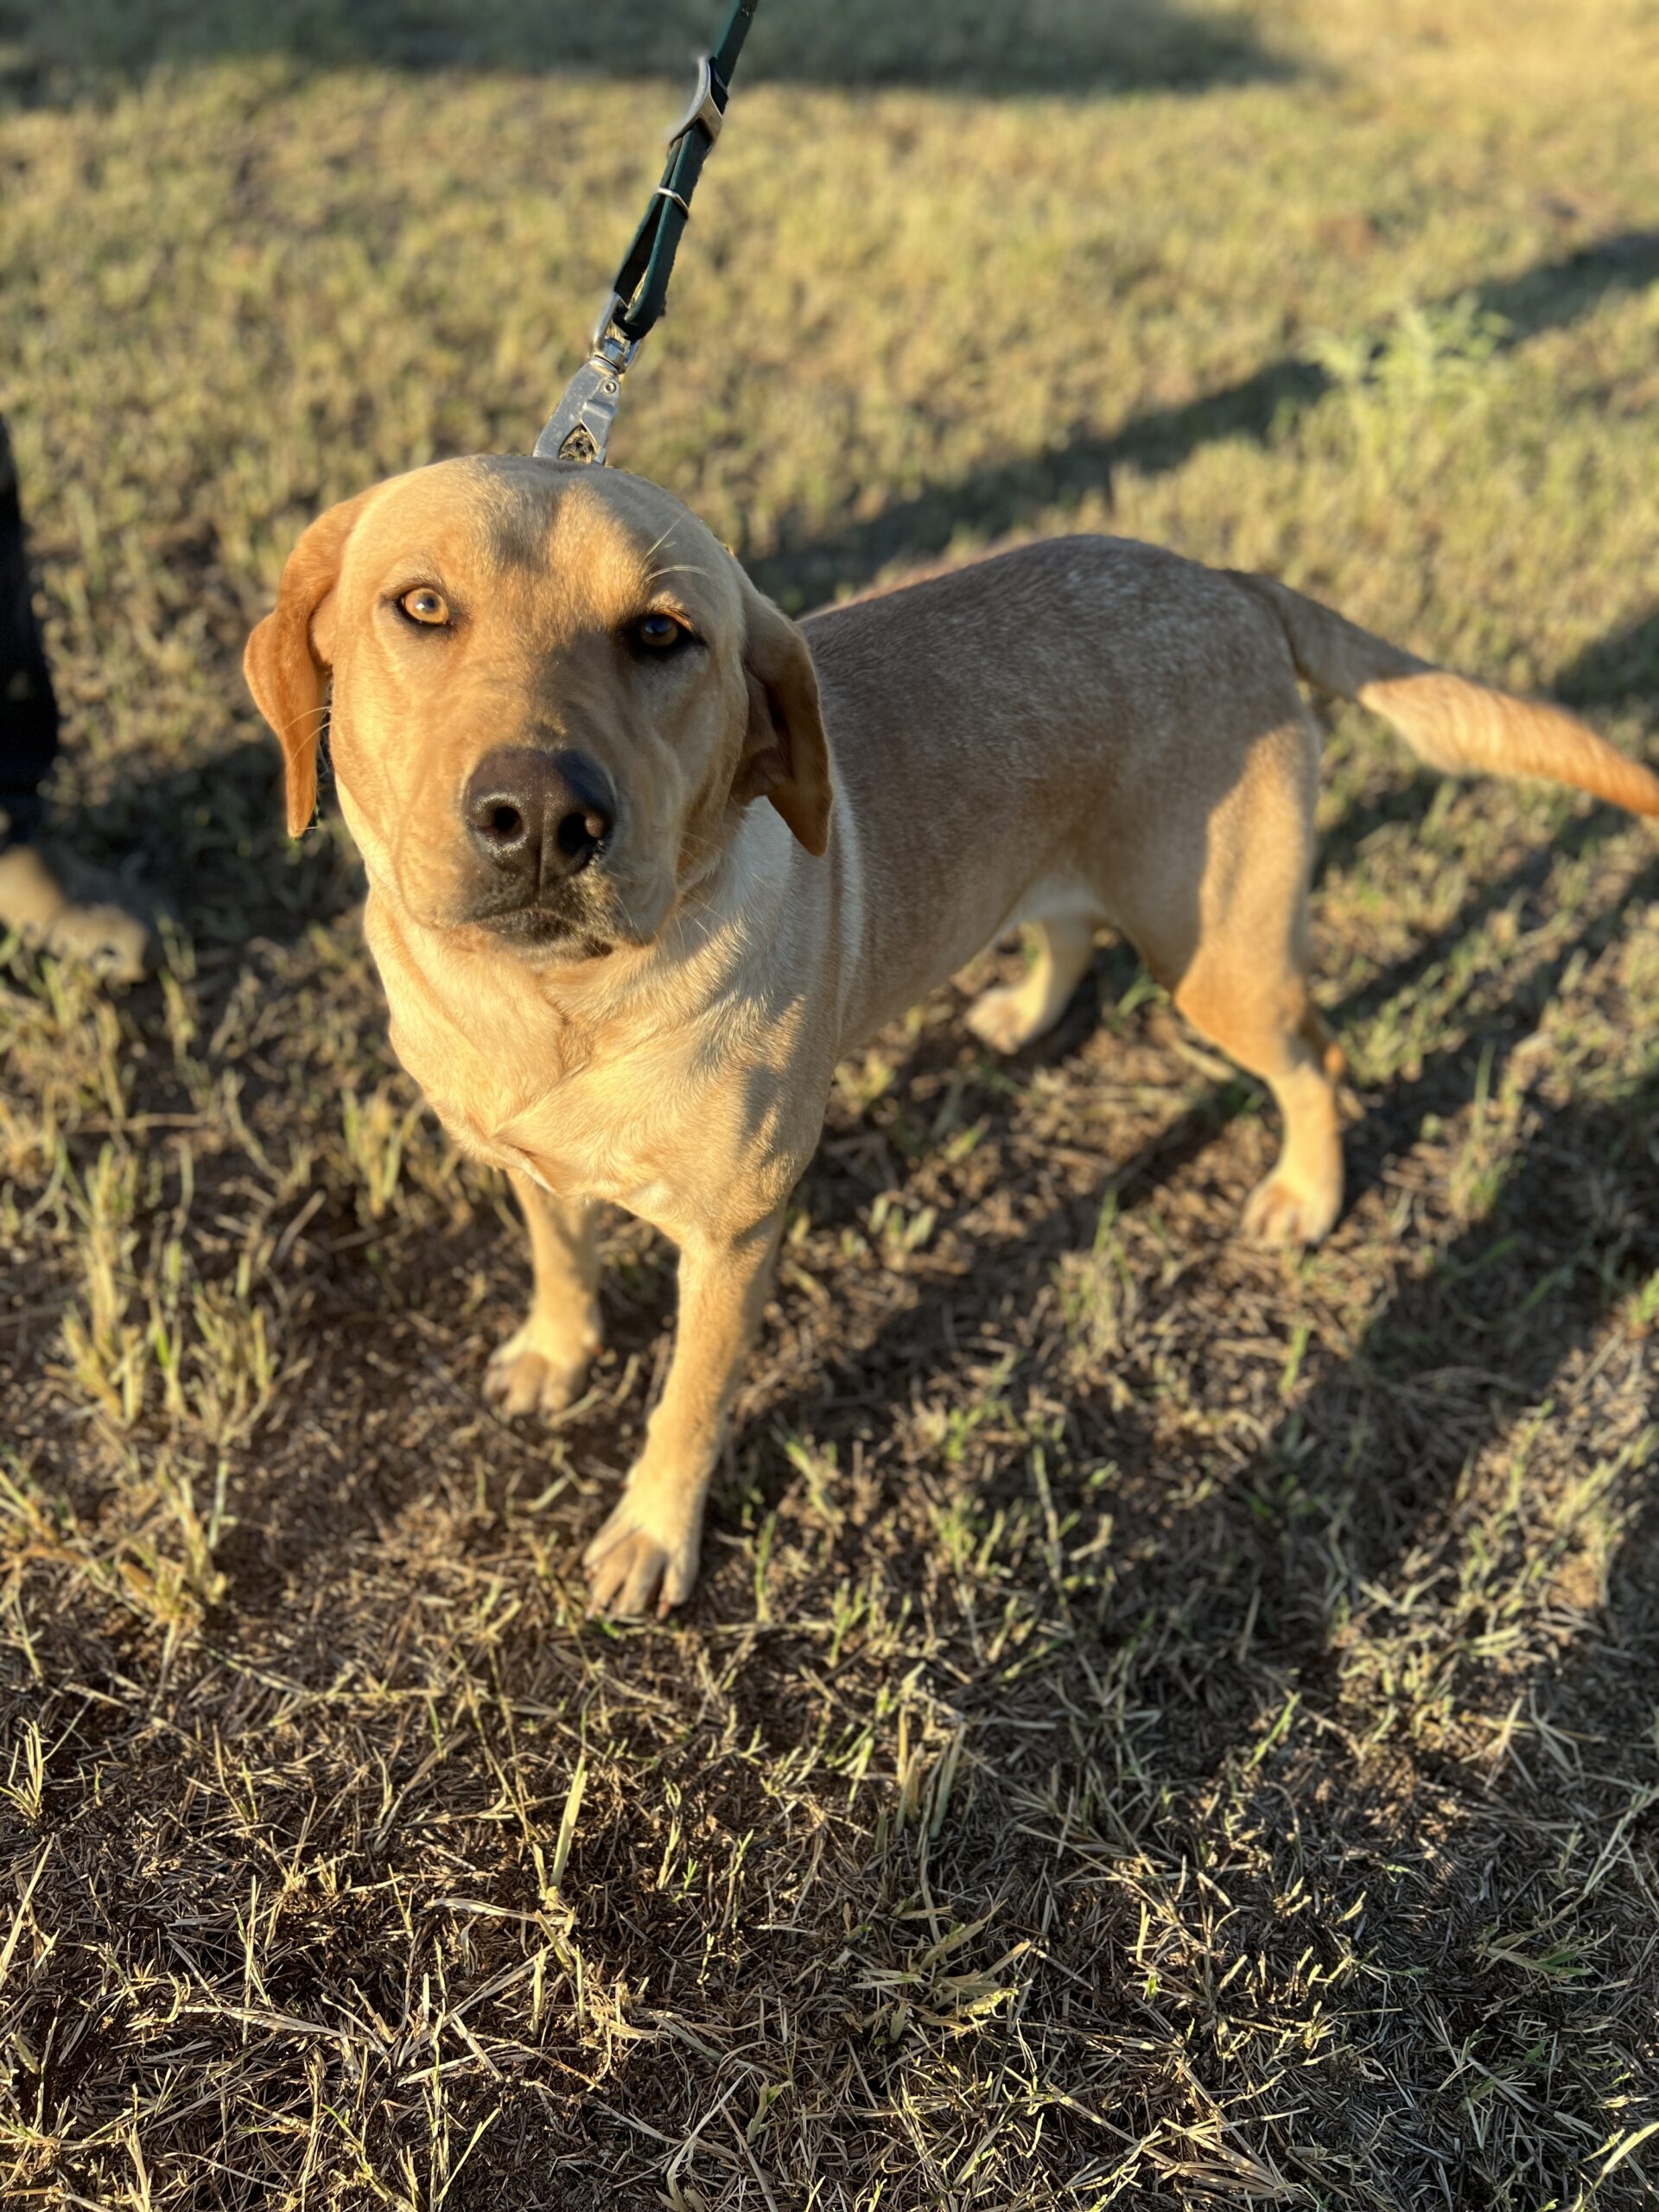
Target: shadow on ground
(1568,1214)
(1619,670)
(1466,1334)
(210,834)
(1469,1331)
(1048,46)
(1014,494)
(207,846)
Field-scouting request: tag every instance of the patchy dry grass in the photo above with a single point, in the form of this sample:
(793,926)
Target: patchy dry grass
(1161,1725)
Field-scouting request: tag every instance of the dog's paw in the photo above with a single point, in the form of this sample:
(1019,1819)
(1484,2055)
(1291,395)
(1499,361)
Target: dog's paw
(1004,1019)
(527,1377)
(1280,1211)
(645,1558)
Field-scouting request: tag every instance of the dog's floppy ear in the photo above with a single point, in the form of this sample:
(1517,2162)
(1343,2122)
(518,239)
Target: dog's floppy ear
(785,754)
(289,654)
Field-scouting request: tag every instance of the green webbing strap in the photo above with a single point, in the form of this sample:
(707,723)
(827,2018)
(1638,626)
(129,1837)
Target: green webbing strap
(580,425)
(642,281)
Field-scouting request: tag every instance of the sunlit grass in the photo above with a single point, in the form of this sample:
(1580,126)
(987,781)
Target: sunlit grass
(1162,1725)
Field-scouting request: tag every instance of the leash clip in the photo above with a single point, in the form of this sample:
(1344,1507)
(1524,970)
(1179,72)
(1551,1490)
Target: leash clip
(705,108)
(579,429)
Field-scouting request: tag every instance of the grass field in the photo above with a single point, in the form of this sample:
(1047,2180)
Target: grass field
(1161,1724)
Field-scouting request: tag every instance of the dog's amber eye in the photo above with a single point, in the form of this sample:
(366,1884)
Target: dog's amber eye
(659,633)
(426,606)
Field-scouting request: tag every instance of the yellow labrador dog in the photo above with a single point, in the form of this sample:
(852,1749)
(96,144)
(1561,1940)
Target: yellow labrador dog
(646,859)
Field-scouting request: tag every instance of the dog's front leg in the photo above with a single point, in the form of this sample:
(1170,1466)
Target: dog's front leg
(543,1365)
(646,1553)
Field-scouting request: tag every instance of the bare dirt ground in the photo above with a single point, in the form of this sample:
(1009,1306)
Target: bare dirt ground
(1161,1724)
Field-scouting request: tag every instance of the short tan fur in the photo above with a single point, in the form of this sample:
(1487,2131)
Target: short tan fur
(814,824)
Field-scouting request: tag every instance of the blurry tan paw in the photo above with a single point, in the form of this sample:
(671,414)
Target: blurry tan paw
(525,1377)
(1005,1019)
(645,1558)
(1281,1211)
(36,903)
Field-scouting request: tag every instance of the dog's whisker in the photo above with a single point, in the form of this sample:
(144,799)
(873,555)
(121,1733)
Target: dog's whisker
(679,569)
(319,714)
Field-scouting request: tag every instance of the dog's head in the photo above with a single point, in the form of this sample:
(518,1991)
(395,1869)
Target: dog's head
(553,693)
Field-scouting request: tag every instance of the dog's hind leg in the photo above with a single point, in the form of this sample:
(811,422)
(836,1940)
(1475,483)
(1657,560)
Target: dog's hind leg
(543,1365)
(1264,1030)
(1060,948)
(1236,962)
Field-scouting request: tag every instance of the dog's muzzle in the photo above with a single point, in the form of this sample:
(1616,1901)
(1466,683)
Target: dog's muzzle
(535,822)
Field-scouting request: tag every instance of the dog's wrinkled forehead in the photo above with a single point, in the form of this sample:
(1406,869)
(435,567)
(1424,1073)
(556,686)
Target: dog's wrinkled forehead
(563,547)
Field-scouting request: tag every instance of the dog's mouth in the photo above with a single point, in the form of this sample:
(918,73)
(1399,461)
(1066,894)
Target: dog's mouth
(545,929)
(585,917)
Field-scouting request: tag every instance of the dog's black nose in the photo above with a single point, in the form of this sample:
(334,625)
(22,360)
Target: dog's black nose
(541,816)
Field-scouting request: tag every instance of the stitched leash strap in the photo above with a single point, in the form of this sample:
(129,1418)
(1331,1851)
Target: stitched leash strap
(580,425)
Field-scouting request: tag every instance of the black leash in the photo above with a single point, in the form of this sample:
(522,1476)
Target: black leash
(580,425)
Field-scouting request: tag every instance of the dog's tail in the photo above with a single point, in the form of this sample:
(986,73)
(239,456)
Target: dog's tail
(1459,727)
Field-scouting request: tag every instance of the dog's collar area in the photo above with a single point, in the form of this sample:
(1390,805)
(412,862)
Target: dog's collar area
(579,428)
